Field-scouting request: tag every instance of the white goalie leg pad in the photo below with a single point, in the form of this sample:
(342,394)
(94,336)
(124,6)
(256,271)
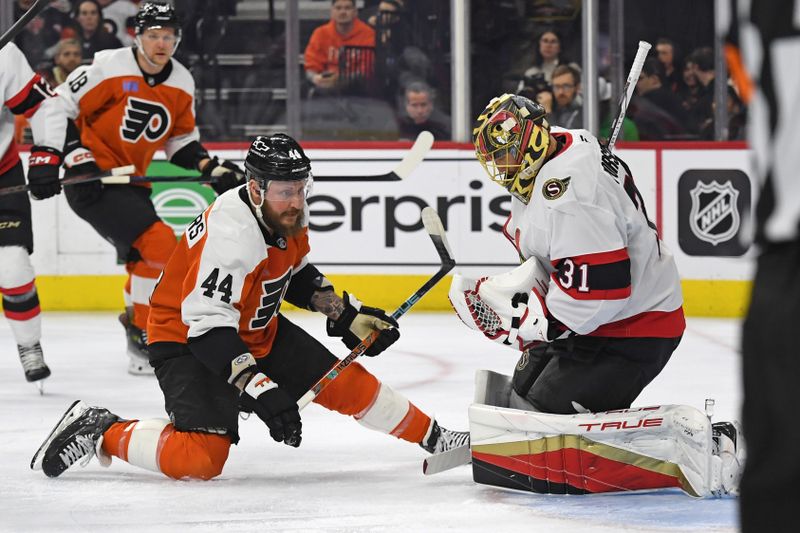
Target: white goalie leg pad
(644,448)
(387,411)
(507,308)
(144,443)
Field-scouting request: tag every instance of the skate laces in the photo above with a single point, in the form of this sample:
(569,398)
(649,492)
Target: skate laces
(81,447)
(451,439)
(31,357)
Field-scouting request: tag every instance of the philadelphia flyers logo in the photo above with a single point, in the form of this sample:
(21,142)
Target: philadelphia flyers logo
(143,117)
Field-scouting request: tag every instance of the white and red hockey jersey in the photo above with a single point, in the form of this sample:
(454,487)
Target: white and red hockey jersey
(24,92)
(586,223)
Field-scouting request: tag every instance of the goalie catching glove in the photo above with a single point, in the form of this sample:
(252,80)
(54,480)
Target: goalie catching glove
(358,321)
(264,398)
(507,308)
(222,174)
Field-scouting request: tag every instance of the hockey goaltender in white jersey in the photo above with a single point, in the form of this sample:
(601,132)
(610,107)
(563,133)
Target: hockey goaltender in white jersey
(596,309)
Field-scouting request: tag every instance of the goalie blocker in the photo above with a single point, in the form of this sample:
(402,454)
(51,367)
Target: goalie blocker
(644,448)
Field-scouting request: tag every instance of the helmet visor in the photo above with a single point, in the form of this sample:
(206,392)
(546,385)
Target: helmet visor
(285,192)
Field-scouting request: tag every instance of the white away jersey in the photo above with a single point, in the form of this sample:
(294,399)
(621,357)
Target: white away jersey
(24,92)
(586,223)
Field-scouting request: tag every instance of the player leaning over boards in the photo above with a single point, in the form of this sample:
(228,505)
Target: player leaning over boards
(596,306)
(127,104)
(218,341)
(24,93)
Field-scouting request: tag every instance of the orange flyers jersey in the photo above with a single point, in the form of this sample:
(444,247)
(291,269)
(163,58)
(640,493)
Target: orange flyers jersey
(226,272)
(123,120)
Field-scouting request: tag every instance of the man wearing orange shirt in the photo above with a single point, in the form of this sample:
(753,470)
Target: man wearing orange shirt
(322,52)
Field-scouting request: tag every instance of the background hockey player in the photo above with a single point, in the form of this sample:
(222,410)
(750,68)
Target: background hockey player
(217,338)
(129,103)
(596,306)
(28,94)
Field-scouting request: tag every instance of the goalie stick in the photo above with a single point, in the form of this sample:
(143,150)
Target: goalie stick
(108,176)
(627,91)
(12,32)
(433,225)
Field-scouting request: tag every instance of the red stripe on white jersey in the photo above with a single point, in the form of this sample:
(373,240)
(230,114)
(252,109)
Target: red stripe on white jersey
(659,324)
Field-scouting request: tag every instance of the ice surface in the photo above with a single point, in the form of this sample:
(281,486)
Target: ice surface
(343,477)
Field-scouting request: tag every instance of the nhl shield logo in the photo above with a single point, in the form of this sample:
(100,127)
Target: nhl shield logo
(714,216)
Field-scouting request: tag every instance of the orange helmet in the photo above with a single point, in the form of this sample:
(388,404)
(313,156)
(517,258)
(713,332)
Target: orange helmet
(511,138)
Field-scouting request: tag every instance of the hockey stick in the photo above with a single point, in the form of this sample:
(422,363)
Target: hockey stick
(410,161)
(440,462)
(435,230)
(627,91)
(12,32)
(113,174)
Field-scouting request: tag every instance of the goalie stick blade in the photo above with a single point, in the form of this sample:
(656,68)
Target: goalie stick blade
(433,225)
(447,460)
(415,155)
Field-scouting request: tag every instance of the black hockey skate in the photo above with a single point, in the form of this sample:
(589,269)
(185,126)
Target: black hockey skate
(33,363)
(75,437)
(443,439)
(138,353)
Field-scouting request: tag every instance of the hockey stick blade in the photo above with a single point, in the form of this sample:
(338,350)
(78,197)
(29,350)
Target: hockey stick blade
(23,21)
(115,175)
(359,350)
(447,460)
(415,155)
(433,225)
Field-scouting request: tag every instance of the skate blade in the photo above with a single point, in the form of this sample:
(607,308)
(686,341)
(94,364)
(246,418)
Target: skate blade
(40,386)
(69,416)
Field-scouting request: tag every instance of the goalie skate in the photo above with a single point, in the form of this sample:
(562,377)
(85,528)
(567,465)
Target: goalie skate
(74,437)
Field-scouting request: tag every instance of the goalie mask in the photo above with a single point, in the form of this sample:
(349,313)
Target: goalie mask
(511,138)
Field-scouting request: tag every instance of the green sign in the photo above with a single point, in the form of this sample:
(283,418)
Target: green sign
(178,203)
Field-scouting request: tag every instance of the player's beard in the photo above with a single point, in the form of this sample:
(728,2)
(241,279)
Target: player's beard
(282,221)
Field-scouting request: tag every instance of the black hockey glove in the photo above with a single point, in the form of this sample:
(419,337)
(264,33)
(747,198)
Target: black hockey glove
(274,407)
(80,162)
(43,167)
(357,321)
(223,174)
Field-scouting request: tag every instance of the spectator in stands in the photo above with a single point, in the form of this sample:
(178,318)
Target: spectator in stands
(703,60)
(322,51)
(569,105)
(538,90)
(651,87)
(421,114)
(66,59)
(665,51)
(42,33)
(689,94)
(737,116)
(120,12)
(93,36)
(547,57)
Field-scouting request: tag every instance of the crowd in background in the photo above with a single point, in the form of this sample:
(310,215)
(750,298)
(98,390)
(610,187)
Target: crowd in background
(380,67)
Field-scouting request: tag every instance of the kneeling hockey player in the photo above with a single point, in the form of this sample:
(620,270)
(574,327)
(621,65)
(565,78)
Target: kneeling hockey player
(218,341)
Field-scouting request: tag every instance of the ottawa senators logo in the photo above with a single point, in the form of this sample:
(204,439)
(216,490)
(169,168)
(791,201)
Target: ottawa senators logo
(143,117)
(555,188)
